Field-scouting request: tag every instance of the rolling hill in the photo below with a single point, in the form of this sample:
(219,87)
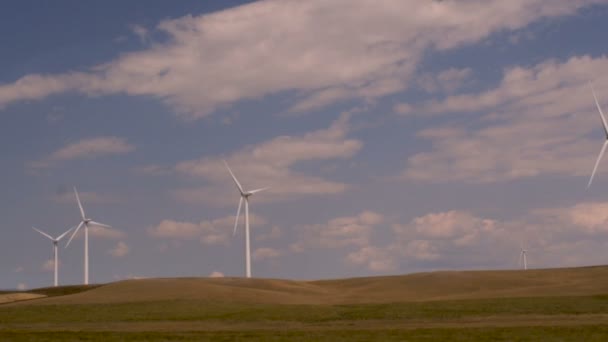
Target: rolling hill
(430,286)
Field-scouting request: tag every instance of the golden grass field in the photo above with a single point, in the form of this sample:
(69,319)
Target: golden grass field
(569,304)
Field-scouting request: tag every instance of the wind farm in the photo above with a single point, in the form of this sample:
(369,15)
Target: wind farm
(554,304)
(405,170)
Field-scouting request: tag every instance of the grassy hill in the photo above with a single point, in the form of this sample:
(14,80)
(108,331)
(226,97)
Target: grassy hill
(550,305)
(445,285)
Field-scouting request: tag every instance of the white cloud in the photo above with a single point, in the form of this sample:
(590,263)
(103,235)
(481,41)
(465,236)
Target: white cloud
(49,265)
(128,276)
(101,232)
(448,80)
(403,108)
(210,232)
(587,218)
(86,149)
(22,286)
(216,274)
(436,235)
(274,233)
(373,258)
(120,250)
(141,32)
(266,253)
(292,46)
(272,163)
(537,121)
(554,237)
(338,232)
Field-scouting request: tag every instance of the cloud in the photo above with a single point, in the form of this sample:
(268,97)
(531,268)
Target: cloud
(101,232)
(216,274)
(567,236)
(337,233)
(450,224)
(86,149)
(19,269)
(128,276)
(22,286)
(153,170)
(274,233)
(373,258)
(292,46)
(447,81)
(141,32)
(209,232)
(266,253)
(49,265)
(587,218)
(120,250)
(538,120)
(272,164)
(403,108)
(436,236)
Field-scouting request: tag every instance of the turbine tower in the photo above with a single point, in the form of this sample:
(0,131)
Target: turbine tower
(522,257)
(605,126)
(84,222)
(55,253)
(244,196)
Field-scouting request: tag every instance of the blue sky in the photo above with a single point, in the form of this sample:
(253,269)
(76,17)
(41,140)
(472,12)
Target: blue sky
(396,136)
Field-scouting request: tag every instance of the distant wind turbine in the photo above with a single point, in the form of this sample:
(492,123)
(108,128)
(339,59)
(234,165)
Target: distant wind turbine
(84,222)
(244,196)
(522,258)
(605,126)
(55,253)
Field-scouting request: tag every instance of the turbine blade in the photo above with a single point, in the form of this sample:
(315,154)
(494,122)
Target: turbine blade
(43,233)
(238,212)
(597,162)
(238,185)
(65,233)
(604,124)
(258,190)
(99,224)
(79,204)
(74,234)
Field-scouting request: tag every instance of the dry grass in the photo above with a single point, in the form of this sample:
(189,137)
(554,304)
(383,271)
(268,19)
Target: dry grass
(18,296)
(534,305)
(415,287)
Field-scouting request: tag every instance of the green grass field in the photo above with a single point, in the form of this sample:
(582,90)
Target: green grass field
(534,305)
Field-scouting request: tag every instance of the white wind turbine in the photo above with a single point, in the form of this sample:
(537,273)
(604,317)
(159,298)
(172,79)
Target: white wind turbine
(605,126)
(522,258)
(84,222)
(244,196)
(55,253)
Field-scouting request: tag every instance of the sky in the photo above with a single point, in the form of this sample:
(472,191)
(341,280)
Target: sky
(396,136)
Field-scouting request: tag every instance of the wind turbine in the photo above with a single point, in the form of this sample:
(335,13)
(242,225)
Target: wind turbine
(244,196)
(55,253)
(522,257)
(605,126)
(84,222)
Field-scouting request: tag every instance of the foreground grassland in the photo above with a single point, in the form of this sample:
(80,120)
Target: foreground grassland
(545,305)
